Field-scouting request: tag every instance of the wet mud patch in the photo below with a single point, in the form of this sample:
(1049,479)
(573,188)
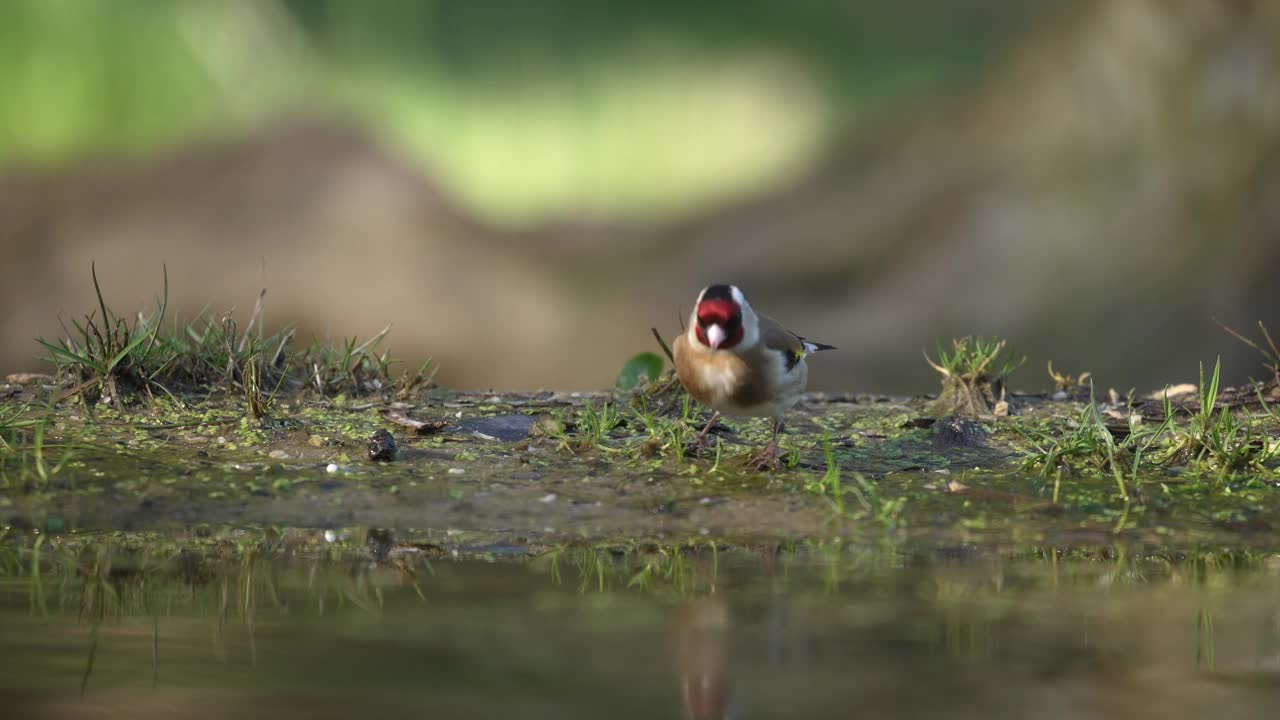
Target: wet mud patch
(553,467)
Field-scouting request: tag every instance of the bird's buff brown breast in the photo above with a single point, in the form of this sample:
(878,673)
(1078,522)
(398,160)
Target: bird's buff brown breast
(719,379)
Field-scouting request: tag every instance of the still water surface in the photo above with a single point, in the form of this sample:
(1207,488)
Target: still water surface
(804,633)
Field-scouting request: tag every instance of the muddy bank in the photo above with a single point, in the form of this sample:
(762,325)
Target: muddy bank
(547,468)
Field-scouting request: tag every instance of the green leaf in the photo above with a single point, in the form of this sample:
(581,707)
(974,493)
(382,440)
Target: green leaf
(69,357)
(642,368)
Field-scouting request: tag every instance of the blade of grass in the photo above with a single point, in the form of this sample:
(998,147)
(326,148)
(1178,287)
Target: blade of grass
(72,357)
(164,306)
(663,344)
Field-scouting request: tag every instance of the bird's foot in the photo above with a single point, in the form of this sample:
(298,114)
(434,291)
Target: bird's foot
(766,459)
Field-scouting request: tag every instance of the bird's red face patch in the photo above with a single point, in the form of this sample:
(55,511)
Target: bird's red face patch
(725,316)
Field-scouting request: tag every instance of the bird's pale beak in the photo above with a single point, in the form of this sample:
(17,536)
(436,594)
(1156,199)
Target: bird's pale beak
(715,336)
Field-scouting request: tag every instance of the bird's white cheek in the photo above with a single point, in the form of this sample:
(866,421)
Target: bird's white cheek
(715,336)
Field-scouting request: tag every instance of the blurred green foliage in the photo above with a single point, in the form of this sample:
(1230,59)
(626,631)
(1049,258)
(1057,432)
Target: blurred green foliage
(523,108)
(640,369)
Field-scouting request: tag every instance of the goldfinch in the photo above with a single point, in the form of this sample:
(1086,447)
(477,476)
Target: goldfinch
(738,362)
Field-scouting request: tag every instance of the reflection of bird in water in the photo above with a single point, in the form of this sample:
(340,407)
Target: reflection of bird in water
(702,649)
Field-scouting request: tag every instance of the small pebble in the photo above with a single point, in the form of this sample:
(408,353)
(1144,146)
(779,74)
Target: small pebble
(278,455)
(382,446)
(456,471)
(329,535)
(331,468)
(549,497)
(955,431)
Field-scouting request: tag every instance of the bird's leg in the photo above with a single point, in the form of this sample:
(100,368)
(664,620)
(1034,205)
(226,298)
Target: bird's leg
(700,442)
(768,457)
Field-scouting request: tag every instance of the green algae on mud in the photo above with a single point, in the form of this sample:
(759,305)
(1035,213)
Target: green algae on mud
(547,468)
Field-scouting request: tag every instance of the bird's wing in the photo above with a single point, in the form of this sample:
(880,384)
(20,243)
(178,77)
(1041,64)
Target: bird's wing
(793,347)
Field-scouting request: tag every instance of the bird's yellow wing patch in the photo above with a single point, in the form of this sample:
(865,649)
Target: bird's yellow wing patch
(787,343)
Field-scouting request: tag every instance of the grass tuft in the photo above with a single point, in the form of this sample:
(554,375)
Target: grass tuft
(872,505)
(106,353)
(107,359)
(973,373)
(1092,445)
(1212,438)
(596,425)
(1219,439)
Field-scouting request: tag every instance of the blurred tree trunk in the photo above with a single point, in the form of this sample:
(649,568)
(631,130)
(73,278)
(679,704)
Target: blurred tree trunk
(1116,181)
(1110,186)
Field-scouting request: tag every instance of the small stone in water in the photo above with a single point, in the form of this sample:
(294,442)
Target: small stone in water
(955,431)
(331,467)
(382,446)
